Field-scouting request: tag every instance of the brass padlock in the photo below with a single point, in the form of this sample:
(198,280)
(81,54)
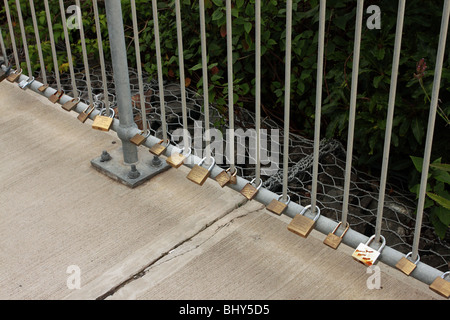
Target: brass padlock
(198,174)
(407,266)
(4,74)
(158,148)
(43,88)
(278,207)
(139,138)
(14,76)
(176,159)
(225,177)
(25,83)
(56,96)
(71,104)
(441,286)
(332,240)
(302,225)
(249,191)
(84,115)
(367,255)
(103,123)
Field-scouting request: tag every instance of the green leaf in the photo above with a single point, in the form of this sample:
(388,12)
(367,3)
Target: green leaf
(440,200)
(217,14)
(417,130)
(441,166)
(417,162)
(439,227)
(443,214)
(247,26)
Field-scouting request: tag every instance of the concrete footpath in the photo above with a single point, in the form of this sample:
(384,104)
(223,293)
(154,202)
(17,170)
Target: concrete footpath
(166,239)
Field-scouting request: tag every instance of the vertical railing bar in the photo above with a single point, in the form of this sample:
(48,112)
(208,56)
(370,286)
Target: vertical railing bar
(287,98)
(390,116)
(11,34)
(38,42)
(159,67)
(205,80)
(258,89)
(230,85)
(53,46)
(139,66)
(186,141)
(3,48)
(68,48)
(319,84)
(83,48)
(24,39)
(101,56)
(430,130)
(351,121)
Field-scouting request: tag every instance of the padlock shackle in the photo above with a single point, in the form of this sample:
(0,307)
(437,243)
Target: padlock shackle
(409,254)
(383,242)
(308,207)
(111,115)
(288,199)
(187,155)
(347,226)
(211,166)
(259,185)
(445,274)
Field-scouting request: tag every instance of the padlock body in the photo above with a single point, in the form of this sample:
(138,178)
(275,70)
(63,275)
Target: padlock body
(55,97)
(102,123)
(157,149)
(249,191)
(441,286)
(276,207)
(69,105)
(365,254)
(13,77)
(301,225)
(223,178)
(175,160)
(43,88)
(406,266)
(332,240)
(198,174)
(138,139)
(83,116)
(233,179)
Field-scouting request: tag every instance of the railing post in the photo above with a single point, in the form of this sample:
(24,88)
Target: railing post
(121,78)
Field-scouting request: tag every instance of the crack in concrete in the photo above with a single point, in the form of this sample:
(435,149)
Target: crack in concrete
(144,270)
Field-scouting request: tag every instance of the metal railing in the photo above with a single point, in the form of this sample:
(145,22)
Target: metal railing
(126,127)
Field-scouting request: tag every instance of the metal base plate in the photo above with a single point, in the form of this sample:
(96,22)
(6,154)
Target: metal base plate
(116,169)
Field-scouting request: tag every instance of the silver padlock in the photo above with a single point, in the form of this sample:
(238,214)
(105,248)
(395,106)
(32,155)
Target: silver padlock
(367,255)
(25,83)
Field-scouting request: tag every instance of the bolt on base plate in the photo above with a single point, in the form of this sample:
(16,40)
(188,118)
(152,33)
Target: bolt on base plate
(114,167)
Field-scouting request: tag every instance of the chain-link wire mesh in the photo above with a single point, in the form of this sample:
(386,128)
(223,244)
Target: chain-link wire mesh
(399,207)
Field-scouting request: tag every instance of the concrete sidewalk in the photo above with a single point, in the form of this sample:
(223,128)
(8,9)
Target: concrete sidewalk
(166,239)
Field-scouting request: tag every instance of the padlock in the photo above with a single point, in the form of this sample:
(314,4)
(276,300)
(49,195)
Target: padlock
(103,123)
(71,104)
(4,74)
(249,191)
(176,159)
(198,174)
(302,225)
(83,116)
(407,266)
(158,148)
(14,76)
(25,83)
(43,88)
(278,207)
(56,96)
(441,286)
(139,138)
(224,177)
(233,178)
(332,240)
(367,255)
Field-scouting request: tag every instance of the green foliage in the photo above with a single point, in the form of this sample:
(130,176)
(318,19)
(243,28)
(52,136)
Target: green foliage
(437,191)
(420,40)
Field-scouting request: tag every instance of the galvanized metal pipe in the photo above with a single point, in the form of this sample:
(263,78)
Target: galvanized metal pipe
(121,78)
